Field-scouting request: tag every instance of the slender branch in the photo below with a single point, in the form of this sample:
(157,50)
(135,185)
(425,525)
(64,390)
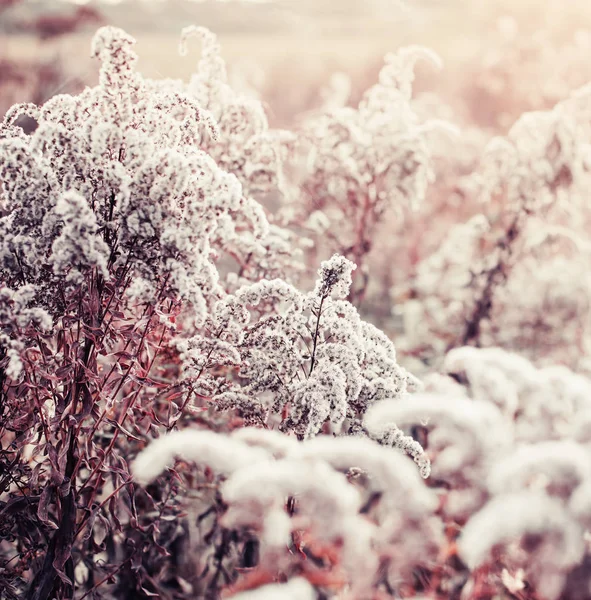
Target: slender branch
(316,333)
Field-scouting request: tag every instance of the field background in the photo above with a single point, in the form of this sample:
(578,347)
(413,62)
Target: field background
(288,49)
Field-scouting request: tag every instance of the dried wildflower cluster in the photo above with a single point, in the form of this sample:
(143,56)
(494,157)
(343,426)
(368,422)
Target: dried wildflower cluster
(247,148)
(112,218)
(264,467)
(305,362)
(511,444)
(114,181)
(507,507)
(532,183)
(359,164)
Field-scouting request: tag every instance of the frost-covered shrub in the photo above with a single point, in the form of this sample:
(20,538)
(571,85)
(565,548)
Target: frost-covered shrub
(306,362)
(360,164)
(500,278)
(114,217)
(509,445)
(263,468)
(247,148)
(156,311)
(140,289)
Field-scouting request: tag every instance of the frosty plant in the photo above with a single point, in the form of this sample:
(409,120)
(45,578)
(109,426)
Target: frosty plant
(510,450)
(533,182)
(247,148)
(262,468)
(362,162)
(110,217)
(306,363)
(179,419)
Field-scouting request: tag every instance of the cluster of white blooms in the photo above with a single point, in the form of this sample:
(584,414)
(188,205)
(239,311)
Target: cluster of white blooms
(375,153)
(466,432)
(121,179)
(263,468)
(334,278)
(295,589)
(18,313)
(77,248)
(542,403)
(510,446)
(245,146)
(535,180)
(560,546)
(356,163)
(304,361)
(553,323)
(437,310)
(544,156)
